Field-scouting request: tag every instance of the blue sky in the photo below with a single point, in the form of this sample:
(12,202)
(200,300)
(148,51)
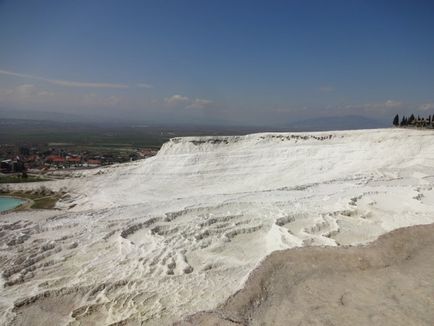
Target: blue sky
(251,62)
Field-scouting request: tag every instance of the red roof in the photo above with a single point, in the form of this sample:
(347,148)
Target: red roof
(74,159)
(98,162)
(55,159)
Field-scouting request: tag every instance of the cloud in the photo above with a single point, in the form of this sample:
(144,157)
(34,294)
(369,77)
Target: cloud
(392,104)
(389,104)
(66,83)
(25,92)
(29,95)
(326,89)
(427,106)
(85,84)
(93,100)
(178,100)
(199,103)
(377,107)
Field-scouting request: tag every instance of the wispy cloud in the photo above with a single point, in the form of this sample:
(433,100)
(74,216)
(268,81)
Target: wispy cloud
(393,104)
(199,103)
(66,83)
(326,89)
(25,92)
(427,106)
(378,107)
(178,100)
(32,96)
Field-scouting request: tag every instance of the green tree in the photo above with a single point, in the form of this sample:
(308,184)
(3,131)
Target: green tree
(411,119)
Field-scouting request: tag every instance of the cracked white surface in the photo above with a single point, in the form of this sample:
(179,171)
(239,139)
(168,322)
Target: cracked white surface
(153,240)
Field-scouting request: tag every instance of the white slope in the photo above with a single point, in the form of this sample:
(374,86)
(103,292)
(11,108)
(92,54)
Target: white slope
(154,240)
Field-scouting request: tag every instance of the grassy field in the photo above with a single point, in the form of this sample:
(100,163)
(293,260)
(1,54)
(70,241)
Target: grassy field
(19,179)
(35,132)
(20,131)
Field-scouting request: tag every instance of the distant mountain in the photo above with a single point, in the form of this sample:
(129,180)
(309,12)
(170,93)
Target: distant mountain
(349,122)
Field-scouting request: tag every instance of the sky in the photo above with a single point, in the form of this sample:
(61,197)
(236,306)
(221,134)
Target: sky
(217,62)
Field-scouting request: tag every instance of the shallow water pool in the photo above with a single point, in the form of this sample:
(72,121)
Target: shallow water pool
(7,203)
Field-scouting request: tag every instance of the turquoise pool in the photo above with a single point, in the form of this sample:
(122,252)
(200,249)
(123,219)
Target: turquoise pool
(7,203)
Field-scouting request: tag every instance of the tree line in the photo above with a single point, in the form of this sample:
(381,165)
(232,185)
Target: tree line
(412,121)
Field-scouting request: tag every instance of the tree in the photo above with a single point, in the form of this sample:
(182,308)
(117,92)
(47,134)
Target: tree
(404,121)
(411,119)
(396,121)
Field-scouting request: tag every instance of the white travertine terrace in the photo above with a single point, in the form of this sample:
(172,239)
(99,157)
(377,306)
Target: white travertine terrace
(154,240)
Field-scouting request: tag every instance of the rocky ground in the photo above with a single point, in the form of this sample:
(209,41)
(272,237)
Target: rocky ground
(389,282)
(152,241)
